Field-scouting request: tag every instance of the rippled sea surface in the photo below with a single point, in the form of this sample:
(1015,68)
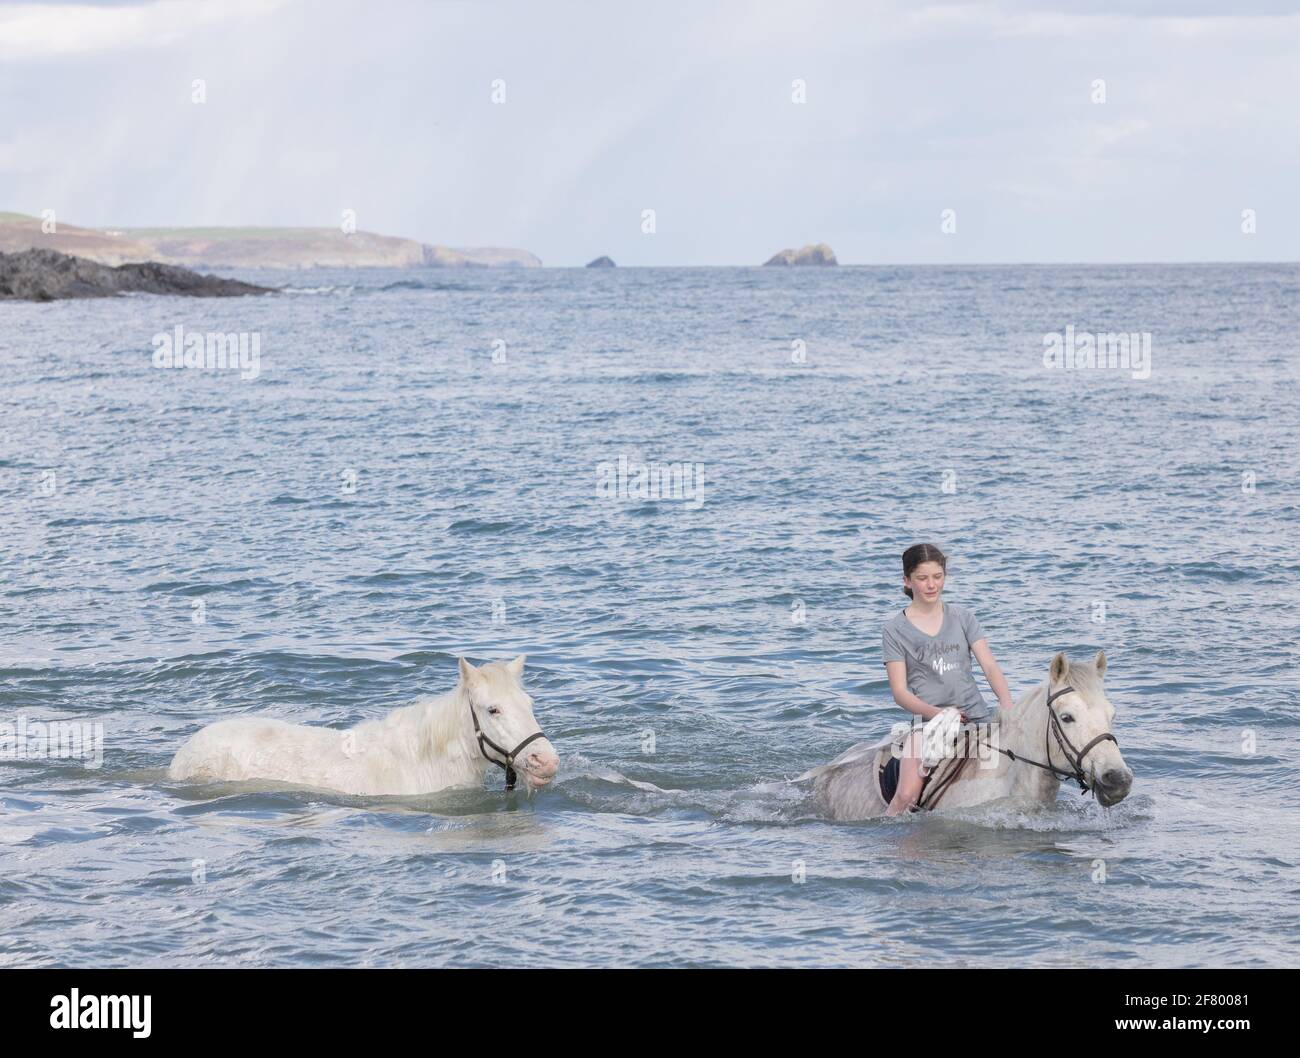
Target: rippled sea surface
(320,544)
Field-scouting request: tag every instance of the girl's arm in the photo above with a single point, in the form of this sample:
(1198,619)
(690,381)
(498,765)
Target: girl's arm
(980,648)
(898,684)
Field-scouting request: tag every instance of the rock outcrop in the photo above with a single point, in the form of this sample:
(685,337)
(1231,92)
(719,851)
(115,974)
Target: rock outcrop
(820,254)
(47,275)
(602,262)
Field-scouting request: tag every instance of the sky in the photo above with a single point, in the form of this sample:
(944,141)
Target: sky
(604,110)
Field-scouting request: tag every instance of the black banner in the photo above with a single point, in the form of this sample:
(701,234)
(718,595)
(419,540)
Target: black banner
(1055,1007)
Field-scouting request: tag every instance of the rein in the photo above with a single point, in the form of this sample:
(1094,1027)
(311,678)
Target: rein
(1053,729)
(509,763)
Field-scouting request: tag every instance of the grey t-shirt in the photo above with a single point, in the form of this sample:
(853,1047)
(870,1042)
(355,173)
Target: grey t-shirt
(938,666)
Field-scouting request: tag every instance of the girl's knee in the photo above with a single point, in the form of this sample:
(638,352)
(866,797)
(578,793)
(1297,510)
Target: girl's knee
(904,800)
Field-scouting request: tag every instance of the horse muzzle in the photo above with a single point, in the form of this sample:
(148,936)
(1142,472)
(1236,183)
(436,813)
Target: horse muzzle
(1112,786)
(538,768)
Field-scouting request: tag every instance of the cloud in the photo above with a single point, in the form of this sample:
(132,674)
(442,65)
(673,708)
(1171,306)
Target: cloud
(386,107)
(31,32)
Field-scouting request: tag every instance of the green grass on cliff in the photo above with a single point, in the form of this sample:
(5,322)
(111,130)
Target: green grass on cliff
(7,217)
(227,233)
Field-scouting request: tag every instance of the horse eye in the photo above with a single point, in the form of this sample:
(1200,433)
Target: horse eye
(493,710)
(1067,719)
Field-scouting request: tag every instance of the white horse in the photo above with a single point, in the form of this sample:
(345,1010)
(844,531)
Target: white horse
(487,719)
(1061,729)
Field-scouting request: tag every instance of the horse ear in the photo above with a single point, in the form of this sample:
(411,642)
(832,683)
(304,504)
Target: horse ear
(1059,667)
(516,667)
(468,673)
(1100,662)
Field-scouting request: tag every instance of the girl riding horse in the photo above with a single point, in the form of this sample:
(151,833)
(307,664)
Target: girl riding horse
(927,647)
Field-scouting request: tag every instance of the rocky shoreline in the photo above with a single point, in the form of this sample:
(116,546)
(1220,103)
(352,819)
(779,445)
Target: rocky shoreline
(47,275)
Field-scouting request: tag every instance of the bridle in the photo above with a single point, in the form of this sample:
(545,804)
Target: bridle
(1075,757)
(509,763)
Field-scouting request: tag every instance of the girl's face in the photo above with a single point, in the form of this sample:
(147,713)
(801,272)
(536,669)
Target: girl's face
(926,582)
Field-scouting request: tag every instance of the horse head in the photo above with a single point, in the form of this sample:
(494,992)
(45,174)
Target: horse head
(1080,738)
(504,726)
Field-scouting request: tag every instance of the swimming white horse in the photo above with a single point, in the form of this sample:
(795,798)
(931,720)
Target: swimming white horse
(1061,729)
(487,719)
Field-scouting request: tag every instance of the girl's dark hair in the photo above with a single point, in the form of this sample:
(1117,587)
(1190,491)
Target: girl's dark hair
(918,553)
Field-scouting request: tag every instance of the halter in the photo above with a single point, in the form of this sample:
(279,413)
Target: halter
(509,763)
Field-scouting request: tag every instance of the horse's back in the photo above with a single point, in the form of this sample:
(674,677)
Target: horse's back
(251,748)
(848,787)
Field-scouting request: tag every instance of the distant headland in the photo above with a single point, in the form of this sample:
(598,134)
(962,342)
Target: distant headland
(249,247)
(290,248)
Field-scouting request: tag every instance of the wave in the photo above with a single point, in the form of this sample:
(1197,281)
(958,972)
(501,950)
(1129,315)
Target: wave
(416,284)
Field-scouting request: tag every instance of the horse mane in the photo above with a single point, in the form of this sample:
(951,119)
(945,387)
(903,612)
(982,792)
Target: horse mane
(445,718)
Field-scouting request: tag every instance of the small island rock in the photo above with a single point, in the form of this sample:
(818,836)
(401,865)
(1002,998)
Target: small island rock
(821,254)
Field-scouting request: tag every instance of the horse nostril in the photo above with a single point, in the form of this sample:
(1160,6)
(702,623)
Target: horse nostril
(545,763)
(1115,777)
